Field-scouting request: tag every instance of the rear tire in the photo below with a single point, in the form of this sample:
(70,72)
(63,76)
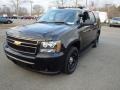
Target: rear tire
(71,61)
(96,41)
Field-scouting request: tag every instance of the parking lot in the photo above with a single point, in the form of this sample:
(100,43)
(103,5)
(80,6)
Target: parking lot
(98,69)
(16,22)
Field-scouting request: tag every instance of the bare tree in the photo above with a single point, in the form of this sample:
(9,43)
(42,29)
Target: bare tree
(112,10)
(0,11)
(23,11)
(6,10)
(77,2)
(58,3)
(92,5)
(37,10)
(31,4)
(86,3)
(16,4)
(62,2)
(119,8)
(65,2)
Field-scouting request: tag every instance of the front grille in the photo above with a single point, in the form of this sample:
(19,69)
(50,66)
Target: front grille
(25,46)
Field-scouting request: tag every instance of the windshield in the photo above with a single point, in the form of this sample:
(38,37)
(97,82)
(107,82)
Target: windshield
(65,16)
(117,18)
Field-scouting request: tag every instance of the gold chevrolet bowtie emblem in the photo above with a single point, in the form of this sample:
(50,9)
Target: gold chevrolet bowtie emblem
(17,43)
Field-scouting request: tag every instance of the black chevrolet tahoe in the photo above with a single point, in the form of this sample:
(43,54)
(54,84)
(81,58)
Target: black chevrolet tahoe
(54,43)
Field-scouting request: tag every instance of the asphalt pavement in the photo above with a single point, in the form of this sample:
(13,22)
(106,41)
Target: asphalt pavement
(98,69)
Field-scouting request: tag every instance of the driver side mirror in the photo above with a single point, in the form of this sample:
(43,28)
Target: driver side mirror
(87,23)
(79,21)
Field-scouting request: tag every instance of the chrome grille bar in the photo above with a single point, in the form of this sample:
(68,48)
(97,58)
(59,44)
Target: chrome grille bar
(26,46)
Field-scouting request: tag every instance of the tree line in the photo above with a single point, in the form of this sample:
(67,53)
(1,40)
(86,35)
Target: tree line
(112,10)
(16,8)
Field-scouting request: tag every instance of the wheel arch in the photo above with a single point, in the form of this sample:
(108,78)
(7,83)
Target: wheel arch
(76,43)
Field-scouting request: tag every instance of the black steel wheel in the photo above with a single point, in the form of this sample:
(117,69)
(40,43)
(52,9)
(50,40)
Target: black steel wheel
(71,60)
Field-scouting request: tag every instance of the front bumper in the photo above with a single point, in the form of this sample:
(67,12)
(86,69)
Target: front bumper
(45,63)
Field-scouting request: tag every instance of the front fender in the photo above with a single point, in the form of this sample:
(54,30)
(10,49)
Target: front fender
(70,37)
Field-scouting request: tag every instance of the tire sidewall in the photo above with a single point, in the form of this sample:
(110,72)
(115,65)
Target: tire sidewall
(70,51)
(8,22)
(96,41)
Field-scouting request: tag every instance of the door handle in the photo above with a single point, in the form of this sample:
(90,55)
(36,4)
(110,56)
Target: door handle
(87,30)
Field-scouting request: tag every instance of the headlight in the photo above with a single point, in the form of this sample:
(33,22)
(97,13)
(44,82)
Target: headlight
(52,46)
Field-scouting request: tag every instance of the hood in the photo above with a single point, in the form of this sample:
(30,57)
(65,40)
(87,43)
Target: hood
(40,31)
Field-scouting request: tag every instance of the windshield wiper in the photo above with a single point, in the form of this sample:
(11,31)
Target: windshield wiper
(62,22)
(42,22)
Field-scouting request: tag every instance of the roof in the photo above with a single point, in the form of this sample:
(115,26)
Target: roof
(74,8)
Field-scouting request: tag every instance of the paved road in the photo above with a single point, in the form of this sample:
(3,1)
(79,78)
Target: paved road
(98,69)
(16,22)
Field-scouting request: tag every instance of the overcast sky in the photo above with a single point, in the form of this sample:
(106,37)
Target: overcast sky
(45,3)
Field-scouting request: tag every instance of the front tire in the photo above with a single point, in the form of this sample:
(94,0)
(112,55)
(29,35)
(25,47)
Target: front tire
(71,60)
(8,22)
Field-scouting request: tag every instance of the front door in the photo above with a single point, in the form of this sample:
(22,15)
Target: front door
(93,26)
(85,30)
(84,34)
